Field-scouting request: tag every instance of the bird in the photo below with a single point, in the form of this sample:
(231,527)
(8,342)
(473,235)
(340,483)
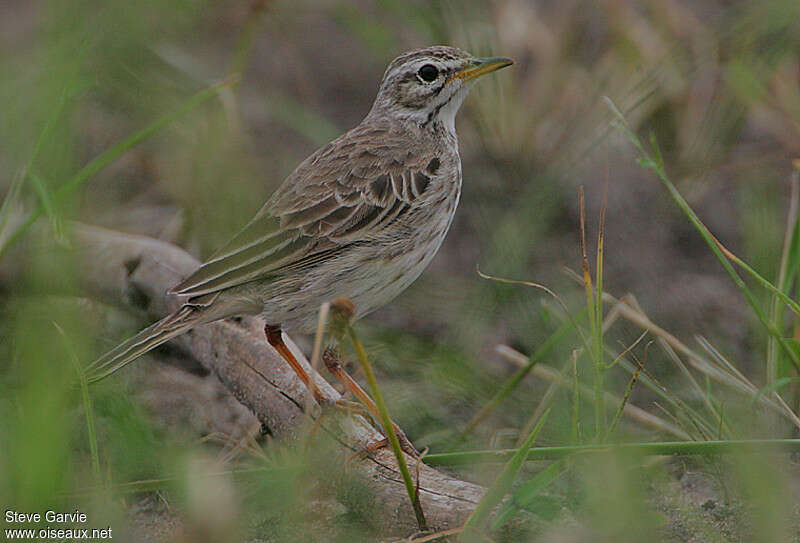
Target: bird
(359,219)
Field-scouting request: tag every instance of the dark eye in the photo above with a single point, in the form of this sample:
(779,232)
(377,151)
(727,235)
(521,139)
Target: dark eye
(428,73)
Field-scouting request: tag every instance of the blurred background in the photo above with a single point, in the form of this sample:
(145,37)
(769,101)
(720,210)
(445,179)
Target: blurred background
(717,83)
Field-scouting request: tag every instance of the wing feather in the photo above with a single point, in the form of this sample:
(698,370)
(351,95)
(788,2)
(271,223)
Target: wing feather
(324,207)
(242,272)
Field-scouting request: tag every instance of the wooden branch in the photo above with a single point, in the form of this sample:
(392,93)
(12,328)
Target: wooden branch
(136,270)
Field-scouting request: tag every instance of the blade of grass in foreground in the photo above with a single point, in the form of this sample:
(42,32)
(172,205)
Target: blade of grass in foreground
(247,36)
(595,308)
(554,376)
(501,486)
(776,310)
(46,198)
(112,154)
(12,196)
(663,448)
(87,405)
(655,162)
(526,493)
(10,202)
(635,315)
(514,381)
(344,313)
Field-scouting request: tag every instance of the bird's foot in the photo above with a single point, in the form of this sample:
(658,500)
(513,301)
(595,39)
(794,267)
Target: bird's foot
(405,446)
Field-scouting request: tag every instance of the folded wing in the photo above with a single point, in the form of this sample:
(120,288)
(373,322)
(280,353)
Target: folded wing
(313,217)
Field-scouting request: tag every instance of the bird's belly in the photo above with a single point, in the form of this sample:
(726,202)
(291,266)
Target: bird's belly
(369,275)
(378,278)
(385,280)
(392,270)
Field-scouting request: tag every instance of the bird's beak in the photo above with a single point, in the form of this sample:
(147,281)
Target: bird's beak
(481,66)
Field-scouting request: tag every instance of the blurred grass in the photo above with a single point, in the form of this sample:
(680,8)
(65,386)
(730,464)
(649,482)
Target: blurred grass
(718,86)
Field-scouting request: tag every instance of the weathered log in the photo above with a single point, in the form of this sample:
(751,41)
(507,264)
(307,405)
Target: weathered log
(132,269)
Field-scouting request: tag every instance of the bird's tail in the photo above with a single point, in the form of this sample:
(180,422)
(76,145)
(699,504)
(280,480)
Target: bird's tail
(146,340)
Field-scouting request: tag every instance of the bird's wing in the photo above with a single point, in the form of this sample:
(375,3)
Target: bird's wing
(333,200)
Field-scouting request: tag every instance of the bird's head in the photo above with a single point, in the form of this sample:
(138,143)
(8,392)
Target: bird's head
(428,85)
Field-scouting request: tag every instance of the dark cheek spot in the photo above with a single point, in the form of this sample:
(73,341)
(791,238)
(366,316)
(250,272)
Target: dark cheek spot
(132,264)
(433,166)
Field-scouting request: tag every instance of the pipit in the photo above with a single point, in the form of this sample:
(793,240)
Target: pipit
(358,219)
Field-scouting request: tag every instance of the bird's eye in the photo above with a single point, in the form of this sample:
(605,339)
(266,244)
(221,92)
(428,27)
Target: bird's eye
(428,73)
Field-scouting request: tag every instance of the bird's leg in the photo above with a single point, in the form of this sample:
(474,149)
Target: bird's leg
(275,339)
(330,358)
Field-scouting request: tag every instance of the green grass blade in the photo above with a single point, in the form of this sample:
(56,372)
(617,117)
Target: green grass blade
(696,360)
(576,397)
(513,382)
(699,390)
(651,449)
(774,386)
(386,420)
(656,164)
(15,190)
(776,310)
(776,291)
(502,485)
(87,405)
(112,154)
(523,496)
(10,201)
(247,36)
(593,300)
(46,198)
(557,377)
(597,329)
(546,401)
(621,407)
